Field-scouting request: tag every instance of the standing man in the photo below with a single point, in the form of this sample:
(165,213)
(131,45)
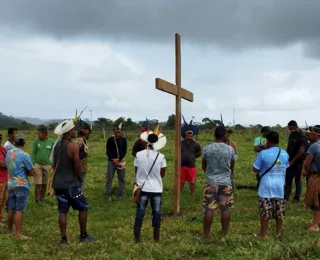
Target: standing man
(217,162)
(12,131)
(3,181)
(272,164)
(296,149)
(116,149)
(312,169)
(19,167)
(41,150)
(67,179)
(150,167)
(260,141)
(83,137)
(190,150)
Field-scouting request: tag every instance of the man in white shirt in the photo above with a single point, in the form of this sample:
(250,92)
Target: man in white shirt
(12,131)
(150,166)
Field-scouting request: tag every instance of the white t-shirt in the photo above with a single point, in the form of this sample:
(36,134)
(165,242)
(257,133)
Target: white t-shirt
(143,163)
(8,146)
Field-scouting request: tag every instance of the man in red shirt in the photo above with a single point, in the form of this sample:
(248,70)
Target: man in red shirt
(3,180)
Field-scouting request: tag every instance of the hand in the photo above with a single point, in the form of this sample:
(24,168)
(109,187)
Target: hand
(290,164)
(115,161)
(264,146)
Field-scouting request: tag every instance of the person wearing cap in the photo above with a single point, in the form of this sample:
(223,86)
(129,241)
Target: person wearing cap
(40,155)
(190,150)
(139,144)
(260,141)
(296,149)
(217,162)
(9,144)
(116,149)
(311,167)
(3,181)
(150,167)
(67,179)
(19,167)
(83,136)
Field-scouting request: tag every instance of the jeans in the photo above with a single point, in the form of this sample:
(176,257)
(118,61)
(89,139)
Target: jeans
(121,179)
(156,202)
(18,199)
(293,172)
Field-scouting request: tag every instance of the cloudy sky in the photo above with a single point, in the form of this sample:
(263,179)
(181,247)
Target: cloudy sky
(260,57)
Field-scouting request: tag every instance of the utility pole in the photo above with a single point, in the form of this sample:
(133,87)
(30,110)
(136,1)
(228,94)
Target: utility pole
(91,118)
(233,117)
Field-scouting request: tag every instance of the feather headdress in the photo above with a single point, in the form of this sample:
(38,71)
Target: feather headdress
(157,139)
(188,127)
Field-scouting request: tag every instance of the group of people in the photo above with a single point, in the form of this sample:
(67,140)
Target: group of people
(59,167)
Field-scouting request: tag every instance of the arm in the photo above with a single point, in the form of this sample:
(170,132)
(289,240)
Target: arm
(307,163)
(257,163)
(28,165)
(259,148)
(301,151)
(34,152)
(198,152)
(73,152)
(123,149)
(3,160)
(163,172)
(108,148)
(204,164)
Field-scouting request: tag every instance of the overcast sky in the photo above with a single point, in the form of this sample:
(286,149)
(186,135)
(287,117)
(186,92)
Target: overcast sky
(260,57)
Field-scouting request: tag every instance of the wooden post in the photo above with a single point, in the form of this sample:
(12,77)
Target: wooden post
(179,92)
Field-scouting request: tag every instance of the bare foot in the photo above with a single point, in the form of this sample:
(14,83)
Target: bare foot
(22,237)
(262,236)
(10,234)
(314,228)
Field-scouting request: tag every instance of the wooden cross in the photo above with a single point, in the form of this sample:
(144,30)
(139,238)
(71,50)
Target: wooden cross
(179,92)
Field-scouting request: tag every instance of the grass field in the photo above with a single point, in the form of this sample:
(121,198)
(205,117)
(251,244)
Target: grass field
(180,238)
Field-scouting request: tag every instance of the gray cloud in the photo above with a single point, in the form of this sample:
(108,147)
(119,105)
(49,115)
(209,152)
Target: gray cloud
(227,24)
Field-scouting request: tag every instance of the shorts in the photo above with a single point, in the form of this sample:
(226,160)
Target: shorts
(41,174)
(72,197)
(271,208)
(217,196)
(18,198)
(188,174)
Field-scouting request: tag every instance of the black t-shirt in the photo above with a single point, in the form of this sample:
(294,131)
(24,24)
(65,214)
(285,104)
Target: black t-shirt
(296,140)
(188,153)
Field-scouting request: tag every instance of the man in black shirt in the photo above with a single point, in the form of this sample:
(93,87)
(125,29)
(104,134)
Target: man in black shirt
(296,149)
(190,150)
(116,149)
(140,144)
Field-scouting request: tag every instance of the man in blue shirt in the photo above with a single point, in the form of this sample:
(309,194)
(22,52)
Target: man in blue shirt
(19,167)
(260,141)
(271,188)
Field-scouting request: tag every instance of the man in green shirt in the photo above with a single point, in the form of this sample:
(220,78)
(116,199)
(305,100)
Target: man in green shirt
(41,150)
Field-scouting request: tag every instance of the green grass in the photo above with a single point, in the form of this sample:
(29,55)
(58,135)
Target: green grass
(180,237)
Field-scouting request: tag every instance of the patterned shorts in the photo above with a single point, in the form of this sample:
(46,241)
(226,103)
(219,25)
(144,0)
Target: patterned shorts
(217,197)
(72,197)
(271,208)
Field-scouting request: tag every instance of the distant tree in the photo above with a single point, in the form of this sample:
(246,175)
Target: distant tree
(130,124)
(239,127)
(102,122)
(27,126)
(258,126)
(120,120)
(171,121)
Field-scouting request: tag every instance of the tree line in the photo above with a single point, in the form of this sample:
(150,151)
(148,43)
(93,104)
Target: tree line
(127,123)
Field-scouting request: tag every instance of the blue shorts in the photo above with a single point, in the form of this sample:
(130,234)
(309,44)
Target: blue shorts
(72,197)
(18,198)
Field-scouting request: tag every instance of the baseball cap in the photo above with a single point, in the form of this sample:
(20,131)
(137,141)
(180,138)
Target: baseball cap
(19,139)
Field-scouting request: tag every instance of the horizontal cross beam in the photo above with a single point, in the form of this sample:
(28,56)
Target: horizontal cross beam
(173,89)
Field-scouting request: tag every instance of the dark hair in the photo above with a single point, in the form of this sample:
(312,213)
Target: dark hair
(220,132)
(292,123)
(273,137)
(265,129)
(11,130)
(43,129)
(84,126)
